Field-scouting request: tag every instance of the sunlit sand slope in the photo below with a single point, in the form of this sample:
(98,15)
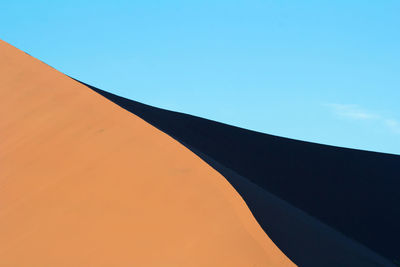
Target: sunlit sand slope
(85,183)
(321,205)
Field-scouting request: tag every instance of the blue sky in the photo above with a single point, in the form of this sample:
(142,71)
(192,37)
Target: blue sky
(321,71)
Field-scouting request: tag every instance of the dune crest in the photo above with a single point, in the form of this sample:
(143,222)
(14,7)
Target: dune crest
(321,205)
(86,183)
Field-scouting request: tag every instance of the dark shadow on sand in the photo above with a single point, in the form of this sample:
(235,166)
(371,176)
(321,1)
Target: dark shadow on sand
(322,205)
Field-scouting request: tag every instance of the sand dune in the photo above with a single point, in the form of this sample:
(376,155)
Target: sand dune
(88,178)
(321,205)
(86,183)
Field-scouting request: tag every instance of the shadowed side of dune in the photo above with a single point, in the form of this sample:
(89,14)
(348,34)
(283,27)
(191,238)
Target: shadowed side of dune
(338,203)
(308,241)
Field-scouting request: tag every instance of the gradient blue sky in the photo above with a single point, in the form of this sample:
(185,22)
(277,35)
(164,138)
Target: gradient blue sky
(321,71)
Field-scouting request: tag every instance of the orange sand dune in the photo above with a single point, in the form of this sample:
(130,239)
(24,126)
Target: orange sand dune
(86,183)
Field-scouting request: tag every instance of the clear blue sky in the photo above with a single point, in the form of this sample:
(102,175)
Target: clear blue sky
(321,71)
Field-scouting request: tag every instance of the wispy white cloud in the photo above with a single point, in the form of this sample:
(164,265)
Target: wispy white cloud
(352,112)
(393,124)
(356,112)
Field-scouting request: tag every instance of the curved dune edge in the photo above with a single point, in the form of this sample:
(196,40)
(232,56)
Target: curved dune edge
(306,240)
(85,183)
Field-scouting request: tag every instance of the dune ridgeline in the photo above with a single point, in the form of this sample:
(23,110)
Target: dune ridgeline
(88,178)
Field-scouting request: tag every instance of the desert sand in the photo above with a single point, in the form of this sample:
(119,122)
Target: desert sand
(86,183)
(321,205)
